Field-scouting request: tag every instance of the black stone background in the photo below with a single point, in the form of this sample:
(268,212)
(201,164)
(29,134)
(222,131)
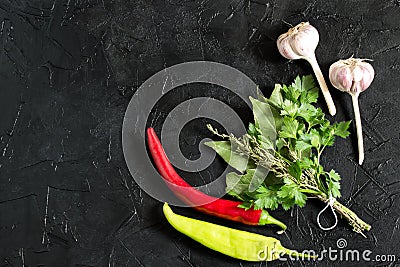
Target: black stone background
(68,69)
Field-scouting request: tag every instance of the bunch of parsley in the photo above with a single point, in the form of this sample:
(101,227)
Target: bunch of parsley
(278,159)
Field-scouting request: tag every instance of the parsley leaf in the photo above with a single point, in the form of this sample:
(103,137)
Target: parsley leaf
(291,193)
(295,170)
(289,108)
(289,128)
(267,197)
(302,145)
(341,129)
(292,92)
(309,90)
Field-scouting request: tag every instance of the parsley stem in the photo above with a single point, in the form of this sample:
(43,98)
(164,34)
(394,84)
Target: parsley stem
(312,189)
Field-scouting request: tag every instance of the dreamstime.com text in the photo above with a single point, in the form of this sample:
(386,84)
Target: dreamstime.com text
(332,254)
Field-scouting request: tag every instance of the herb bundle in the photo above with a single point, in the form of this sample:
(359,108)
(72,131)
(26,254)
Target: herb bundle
(279,156)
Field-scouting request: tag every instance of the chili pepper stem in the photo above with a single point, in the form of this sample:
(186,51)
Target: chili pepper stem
(265,218)
(354,97)
(358,225)
(324,88)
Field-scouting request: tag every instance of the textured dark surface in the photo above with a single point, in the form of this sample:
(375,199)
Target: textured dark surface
(68,69)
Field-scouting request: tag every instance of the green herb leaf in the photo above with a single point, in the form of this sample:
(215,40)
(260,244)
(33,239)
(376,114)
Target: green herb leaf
(248,182)
(334,189)
(306,163)
(309,90)
(315,138)
(292,92)
(236,183)
(341,129)
(276,96)
(289,108)
(264,118)
(246,205)
(280,143)
(308,84)
(295,170)
(234,159)
(288,203)
(289,128)
(290,193)
(253,130)
(257,178)
(334,175)
(267,198)
(312,138)
(302,145)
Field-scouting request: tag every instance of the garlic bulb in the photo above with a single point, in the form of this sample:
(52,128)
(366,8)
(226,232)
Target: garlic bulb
(300,42)
(353,76)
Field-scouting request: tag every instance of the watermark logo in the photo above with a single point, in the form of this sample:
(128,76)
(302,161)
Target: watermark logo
(341,243)
(146,97)
(338,253)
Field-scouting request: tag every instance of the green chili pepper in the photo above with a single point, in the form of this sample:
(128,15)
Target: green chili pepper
(235,243)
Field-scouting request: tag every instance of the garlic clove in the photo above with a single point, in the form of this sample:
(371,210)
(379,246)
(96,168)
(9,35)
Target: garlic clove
(358,74)
(340,77)
(305,41)
(286,49)
(368,76)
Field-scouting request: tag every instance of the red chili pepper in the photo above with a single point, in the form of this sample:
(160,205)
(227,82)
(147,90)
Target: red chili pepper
(223,208)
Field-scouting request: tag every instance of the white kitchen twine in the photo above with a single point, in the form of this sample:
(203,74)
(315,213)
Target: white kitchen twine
(330,203)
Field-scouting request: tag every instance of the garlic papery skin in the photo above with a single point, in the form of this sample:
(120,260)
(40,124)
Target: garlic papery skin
(300,42)
(353,76)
